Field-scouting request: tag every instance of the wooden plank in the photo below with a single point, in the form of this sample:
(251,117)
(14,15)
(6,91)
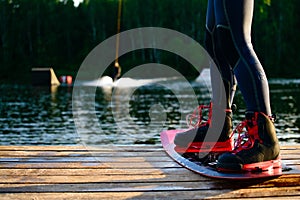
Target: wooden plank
(99,159)
(92,172)
(148,186)
(106,165)
(71,165)
(94,179)
(99,153)
(61,159)
(109,195)
(102,178)
(97,171)
(137,148)
(103,162)
(79,154)
(92,165)
(203,194)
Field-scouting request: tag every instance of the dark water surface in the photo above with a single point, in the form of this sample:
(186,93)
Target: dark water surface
(39,116)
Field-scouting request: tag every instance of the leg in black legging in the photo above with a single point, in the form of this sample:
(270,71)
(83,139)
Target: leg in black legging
(222,80)
(224,68)
(234,18)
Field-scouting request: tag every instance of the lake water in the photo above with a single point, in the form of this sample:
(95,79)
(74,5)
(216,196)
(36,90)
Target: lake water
(45,116)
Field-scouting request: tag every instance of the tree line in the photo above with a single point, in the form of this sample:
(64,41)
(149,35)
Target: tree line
(57,34)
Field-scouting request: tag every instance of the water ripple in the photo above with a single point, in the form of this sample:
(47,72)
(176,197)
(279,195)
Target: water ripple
(37,116)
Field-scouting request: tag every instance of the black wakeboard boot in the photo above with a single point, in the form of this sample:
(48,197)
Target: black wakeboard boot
(200,128)
(257,142)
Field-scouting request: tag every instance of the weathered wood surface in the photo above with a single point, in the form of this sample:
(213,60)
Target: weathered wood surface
(128,172)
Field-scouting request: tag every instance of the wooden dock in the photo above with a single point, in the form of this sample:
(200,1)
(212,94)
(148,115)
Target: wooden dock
(128,172)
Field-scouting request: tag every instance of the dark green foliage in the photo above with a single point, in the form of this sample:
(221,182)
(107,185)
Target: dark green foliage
(54,33)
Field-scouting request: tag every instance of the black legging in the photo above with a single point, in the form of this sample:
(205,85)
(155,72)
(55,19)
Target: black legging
(228,41)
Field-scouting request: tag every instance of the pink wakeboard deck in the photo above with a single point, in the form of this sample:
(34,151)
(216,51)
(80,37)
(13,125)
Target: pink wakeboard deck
(265,170)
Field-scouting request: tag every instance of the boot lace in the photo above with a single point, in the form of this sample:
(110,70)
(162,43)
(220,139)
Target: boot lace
(196,119)
(244,140)
(247,133)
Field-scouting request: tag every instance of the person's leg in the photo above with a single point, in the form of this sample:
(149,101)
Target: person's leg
(212,131)
(198,133)
(249,72)
(223,66)
(222,79)
(262,142)
(209,29)
(226,57)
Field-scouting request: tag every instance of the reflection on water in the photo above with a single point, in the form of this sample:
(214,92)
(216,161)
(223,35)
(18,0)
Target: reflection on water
(31,116)
(35,115)
(286,98)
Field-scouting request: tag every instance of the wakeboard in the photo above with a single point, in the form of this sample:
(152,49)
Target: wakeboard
(190,159)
